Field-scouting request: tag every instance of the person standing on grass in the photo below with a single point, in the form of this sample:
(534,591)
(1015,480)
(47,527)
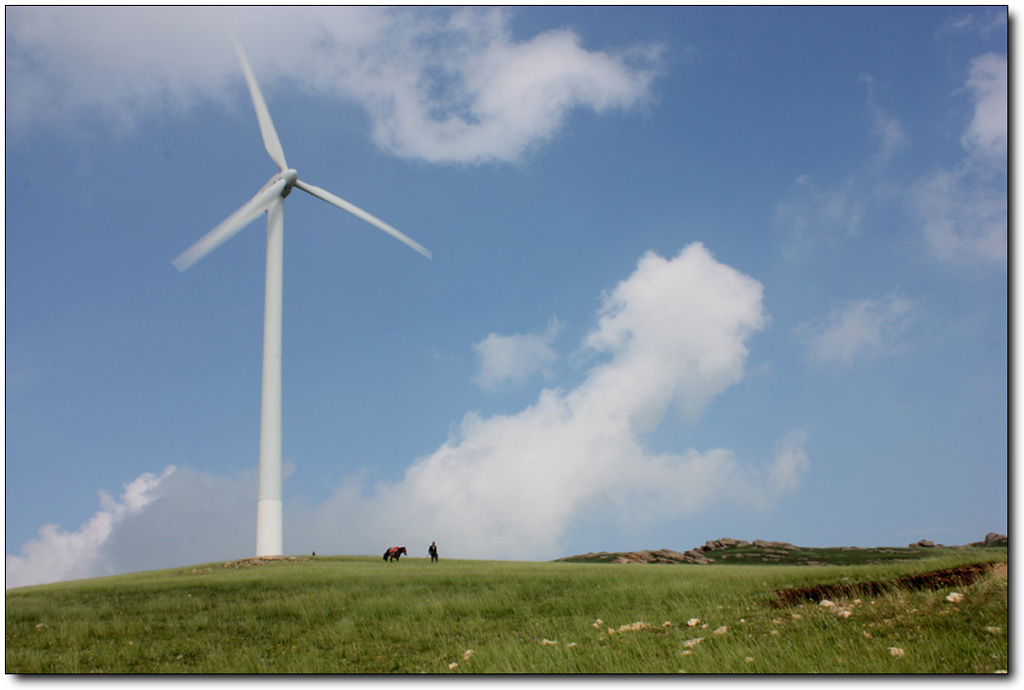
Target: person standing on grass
(433,552)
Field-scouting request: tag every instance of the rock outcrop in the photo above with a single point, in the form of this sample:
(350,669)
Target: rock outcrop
(993,539)
(660,556)
(781,545)
(697,555)
(759,549)
(723,543)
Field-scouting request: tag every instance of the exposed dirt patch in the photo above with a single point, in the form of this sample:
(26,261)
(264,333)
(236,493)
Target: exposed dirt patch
(938,579)
(248,563)
(260,560)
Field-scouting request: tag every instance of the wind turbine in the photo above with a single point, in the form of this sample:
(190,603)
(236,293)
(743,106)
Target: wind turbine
(270,200)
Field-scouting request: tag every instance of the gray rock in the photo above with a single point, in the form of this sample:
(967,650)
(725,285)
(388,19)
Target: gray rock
(777,545)
(695,556)
(723,543)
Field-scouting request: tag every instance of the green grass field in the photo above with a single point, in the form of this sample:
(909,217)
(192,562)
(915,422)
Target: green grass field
(362,615)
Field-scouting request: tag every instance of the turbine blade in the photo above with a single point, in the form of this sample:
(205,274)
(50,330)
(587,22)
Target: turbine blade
(230,225)
(270,139)
(363,215)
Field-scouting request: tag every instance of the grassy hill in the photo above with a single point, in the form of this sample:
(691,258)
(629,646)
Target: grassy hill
(361,615)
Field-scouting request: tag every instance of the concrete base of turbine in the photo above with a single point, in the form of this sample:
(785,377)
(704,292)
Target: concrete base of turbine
(269,537)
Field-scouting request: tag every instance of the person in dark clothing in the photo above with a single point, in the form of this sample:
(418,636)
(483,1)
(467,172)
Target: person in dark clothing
(433,551)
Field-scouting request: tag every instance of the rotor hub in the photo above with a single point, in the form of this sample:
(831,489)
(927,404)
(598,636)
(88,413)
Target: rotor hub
(290,177)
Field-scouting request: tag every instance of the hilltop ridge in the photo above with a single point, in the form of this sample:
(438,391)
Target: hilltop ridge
(738,551)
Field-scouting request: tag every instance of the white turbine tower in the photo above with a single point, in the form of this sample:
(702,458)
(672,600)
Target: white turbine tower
(270,199)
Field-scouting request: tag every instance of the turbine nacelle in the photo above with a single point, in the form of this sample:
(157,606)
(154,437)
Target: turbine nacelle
(289,176)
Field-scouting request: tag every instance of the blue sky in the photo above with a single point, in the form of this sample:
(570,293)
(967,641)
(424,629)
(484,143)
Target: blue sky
(698,272)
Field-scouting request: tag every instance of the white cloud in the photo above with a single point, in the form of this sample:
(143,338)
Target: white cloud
(964,220)
(986,135)
(790,463)
(58,555)
(963,210)
(865,329)
(512,359)
(439,85)
(677,332)
(981,24)
(511,486)
(812,216)
(203,516)
(886,129)
(498,97)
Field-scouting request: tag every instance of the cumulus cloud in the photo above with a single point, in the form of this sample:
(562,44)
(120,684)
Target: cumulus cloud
(438,85)
(466,90)
(512,359)
(963,210)
(674,334)
(205,516)
(57,555)
(677,332)
(865,329)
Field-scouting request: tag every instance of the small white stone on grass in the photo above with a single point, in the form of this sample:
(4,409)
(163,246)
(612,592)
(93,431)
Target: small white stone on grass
(633,627)
(955,597)
(896,651)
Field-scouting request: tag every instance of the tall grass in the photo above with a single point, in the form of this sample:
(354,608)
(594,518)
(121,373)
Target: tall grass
(361,615)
